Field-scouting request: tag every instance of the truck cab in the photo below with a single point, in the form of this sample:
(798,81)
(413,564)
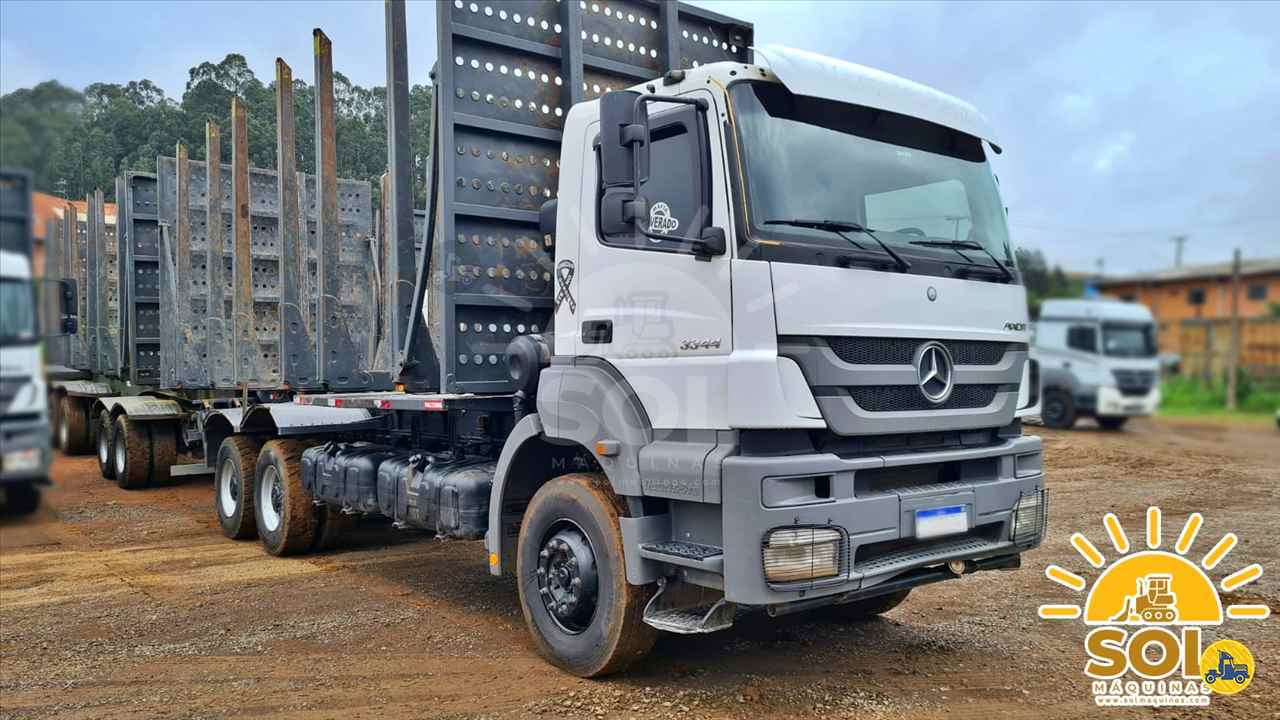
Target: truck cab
(790,330)
(1099,359)
(24,420)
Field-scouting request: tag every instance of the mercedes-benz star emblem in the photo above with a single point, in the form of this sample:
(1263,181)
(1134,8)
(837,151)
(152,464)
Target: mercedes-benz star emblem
(932,293)
(934,371)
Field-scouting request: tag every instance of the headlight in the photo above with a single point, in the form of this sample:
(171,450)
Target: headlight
(1030,518)
(797,554)
(21,460)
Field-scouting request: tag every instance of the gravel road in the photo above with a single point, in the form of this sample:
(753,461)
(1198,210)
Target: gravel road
(119,604)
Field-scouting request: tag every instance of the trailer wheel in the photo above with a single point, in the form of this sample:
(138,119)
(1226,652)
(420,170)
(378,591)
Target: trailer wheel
(870,607)
(1058,410)
(106,464)
(582,613)
(233,486)
(73,428)
(164,450)
(132,453)
(283,507)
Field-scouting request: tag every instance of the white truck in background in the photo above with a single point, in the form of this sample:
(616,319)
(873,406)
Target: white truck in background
(24,417)
(1098,358)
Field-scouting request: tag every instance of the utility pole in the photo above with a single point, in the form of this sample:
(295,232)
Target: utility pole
(1178,241)
(1233,353)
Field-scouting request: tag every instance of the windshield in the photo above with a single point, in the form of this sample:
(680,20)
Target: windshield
(1131,341)
(18,320)
(918,186)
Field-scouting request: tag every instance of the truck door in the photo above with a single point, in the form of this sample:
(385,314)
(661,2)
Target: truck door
(654,310)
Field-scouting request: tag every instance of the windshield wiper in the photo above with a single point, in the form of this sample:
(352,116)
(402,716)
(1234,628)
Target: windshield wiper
(959,245)
(839,227)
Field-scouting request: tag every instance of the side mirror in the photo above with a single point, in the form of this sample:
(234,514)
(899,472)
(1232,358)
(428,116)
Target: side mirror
(69,325)
(547,217)
(711,242)
(67,306)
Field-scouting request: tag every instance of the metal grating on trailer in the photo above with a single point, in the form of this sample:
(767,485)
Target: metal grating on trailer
(508,74)
(184,351)
(137,212)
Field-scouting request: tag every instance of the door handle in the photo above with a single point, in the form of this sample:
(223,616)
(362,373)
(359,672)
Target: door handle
(597,332)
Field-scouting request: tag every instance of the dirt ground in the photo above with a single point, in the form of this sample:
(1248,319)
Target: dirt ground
(119,604)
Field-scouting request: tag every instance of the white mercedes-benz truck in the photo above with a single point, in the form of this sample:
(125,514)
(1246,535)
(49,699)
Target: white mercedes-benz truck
(1098,359)
(747,336)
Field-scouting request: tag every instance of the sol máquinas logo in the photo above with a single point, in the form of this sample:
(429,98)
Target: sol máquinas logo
(1147,609)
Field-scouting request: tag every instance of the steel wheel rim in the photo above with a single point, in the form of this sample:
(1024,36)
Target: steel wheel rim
(104,444)
(271,498)
(120,456)
(228,488)
(1054,410)
(567,576)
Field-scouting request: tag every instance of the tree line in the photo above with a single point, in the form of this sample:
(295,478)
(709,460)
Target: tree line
(74,142)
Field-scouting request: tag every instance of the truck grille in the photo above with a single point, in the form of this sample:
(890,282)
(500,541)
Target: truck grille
(901,351)
(1134,383)
(897,398)
(9,388)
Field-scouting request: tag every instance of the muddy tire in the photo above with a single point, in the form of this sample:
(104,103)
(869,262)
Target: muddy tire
(1112,424)
(103,441)
(283,507)
(131,451)
(164,450)
(583,615)
(20,499)
(233,487)
(73,427)
(1058,410)
(868,608)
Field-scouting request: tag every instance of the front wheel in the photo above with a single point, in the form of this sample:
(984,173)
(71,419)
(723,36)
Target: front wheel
(1058,410)
(21,499)
(1112,424)
(583,615)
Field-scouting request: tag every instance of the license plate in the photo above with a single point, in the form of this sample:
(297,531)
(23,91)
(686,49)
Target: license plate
(947,520)
(1133,408)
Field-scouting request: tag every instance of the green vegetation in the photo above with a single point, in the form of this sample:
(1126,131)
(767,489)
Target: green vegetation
(1043,282)
(1190,396)
(74,142)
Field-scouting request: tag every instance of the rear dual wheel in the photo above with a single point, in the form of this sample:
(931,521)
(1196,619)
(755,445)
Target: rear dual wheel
(284,509)
(142,452)
(73,427)
(234,486)
(104,439)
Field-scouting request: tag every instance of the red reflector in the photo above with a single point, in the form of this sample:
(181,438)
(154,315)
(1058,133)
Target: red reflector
(384,404)
(436,405)
(337,402)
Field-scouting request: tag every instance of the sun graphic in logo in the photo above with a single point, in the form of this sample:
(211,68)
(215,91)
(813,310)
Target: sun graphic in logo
(1153,586)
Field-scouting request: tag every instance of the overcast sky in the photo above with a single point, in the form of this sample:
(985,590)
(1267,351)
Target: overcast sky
(1122,124)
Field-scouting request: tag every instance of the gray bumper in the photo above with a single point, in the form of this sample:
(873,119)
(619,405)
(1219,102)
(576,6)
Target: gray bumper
(989,484)
(17,435)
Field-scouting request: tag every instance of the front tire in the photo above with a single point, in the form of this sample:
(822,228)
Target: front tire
(1058,410)
(284,508)
(583,615)
(1112,424)
(21,499)
(234,488)
(132,453)
(106,435)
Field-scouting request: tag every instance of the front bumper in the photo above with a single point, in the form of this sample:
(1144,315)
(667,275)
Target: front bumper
(16,438)
(1113,403)
(872,502)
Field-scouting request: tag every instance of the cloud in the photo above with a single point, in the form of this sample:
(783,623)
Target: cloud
(1112,152)
(1076,109)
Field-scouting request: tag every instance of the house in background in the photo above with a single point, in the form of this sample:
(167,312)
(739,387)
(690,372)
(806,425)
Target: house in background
(1192,310)
(46,208)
